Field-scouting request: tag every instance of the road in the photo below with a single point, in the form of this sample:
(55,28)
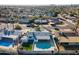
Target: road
(69,22)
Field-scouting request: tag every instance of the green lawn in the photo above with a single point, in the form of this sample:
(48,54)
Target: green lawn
(27,47)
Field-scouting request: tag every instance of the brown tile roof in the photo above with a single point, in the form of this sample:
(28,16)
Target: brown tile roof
(71,36)
(69,39)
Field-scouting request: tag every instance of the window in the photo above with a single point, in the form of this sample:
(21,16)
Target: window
(73,43)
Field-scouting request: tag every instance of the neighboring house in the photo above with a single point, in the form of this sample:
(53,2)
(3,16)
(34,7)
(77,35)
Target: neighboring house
(41,41)
(23,21)
(69,41)
(35,36)
(3,20)
(40,21)
(55,20)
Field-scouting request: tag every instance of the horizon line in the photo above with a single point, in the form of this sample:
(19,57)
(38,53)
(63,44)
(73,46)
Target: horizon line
(38,5)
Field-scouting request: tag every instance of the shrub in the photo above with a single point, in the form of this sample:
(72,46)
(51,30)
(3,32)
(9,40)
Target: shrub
(27,46)
(18,27)
(38,28)
(61,23)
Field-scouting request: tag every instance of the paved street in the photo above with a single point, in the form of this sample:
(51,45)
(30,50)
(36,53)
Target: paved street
(67,21)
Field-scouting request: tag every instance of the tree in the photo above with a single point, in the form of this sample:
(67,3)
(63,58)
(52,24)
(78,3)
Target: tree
(12,20)
(38,28)
(76,27)
(18,27)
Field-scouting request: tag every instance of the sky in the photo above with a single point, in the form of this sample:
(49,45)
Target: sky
(38,2)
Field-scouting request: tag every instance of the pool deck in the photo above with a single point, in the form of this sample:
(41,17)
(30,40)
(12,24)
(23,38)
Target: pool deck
(10,36)
(8,50)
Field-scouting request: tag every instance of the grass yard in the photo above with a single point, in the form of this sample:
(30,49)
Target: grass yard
(27,46)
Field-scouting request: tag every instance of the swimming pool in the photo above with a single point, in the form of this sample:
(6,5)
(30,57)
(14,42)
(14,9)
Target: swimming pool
(5,43)
(43,44)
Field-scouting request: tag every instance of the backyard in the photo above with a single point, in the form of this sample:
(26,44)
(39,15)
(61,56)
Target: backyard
(27,46)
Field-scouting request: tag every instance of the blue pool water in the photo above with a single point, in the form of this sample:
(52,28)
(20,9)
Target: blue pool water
(43,44)
(5,43)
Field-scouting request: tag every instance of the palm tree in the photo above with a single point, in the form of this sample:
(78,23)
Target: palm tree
(7,21)
(12,20)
